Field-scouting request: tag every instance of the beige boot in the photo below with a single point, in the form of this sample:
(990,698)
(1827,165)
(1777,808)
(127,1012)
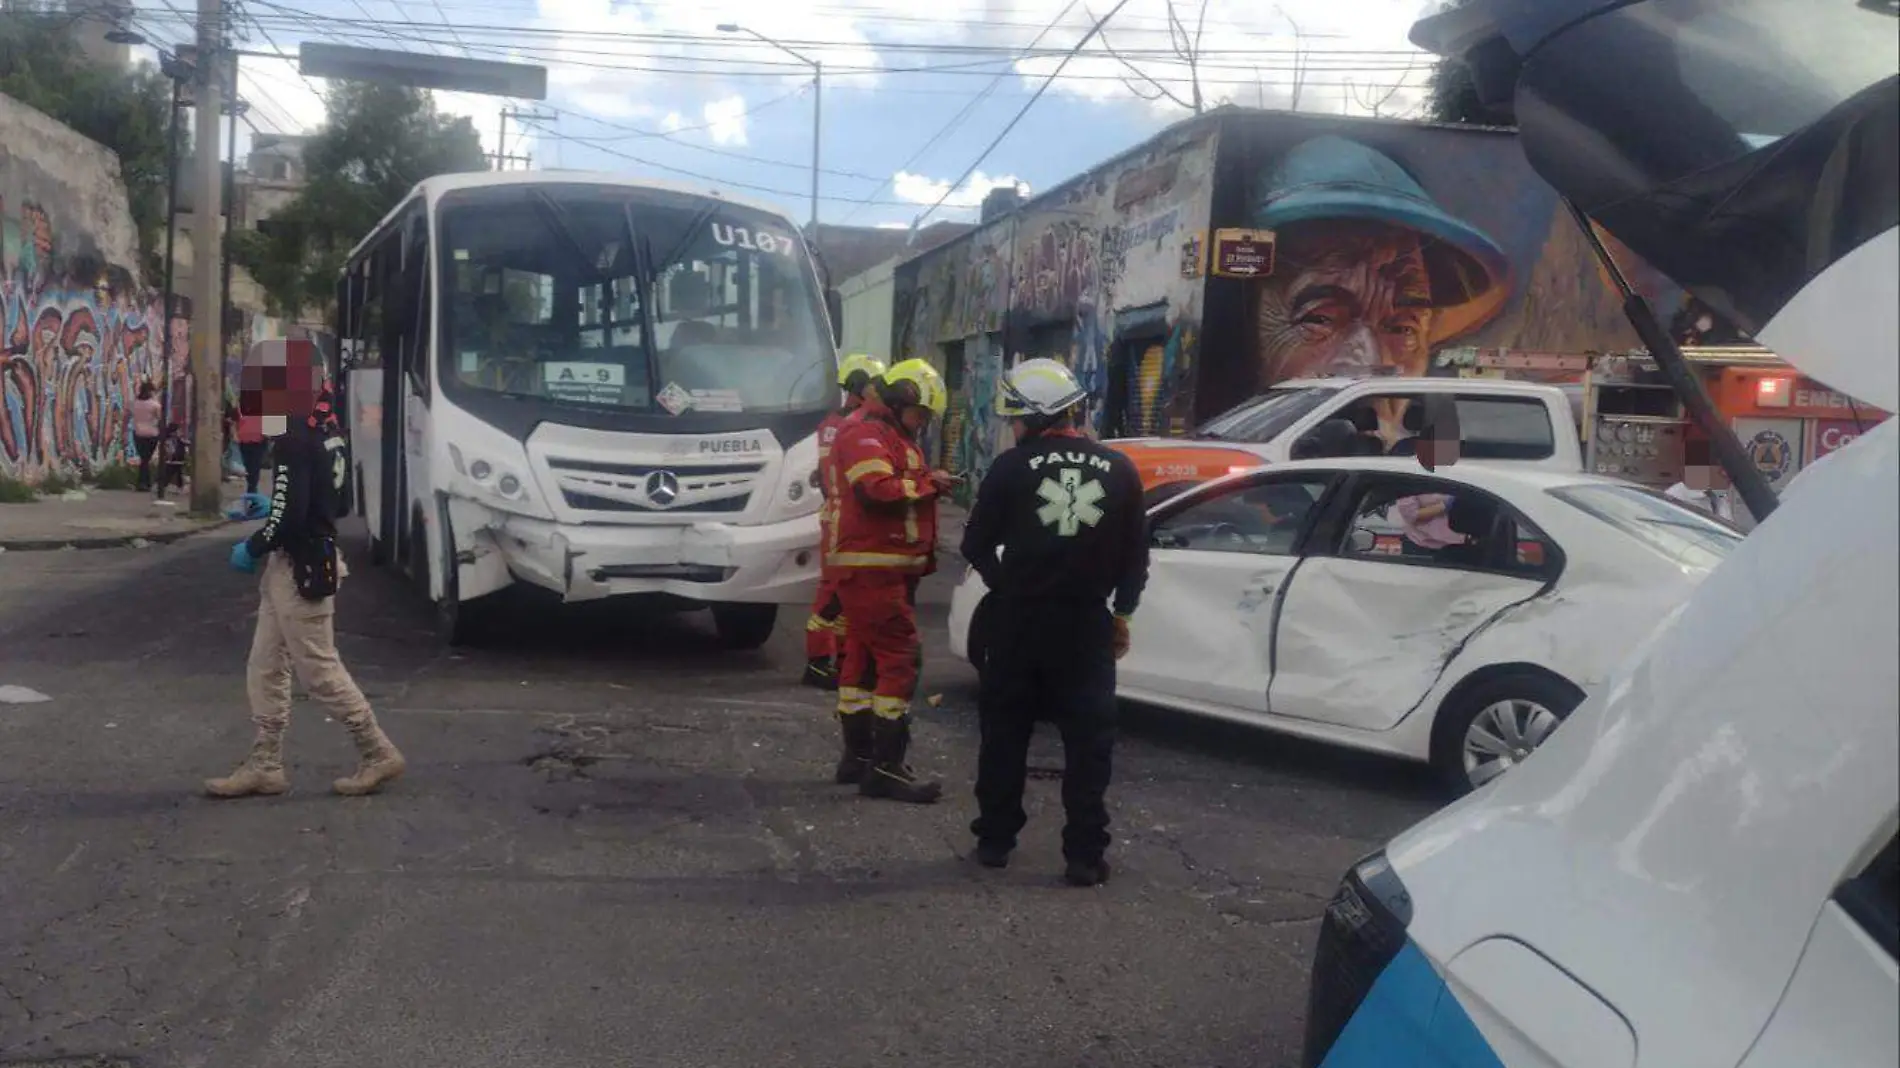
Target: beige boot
(380,760)
(262,772)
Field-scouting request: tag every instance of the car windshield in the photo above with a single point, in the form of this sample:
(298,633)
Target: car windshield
(1690,538)
(1739,146)
(1264,417)
(634,300)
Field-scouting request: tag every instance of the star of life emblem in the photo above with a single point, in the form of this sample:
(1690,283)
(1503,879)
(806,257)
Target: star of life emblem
(1071,502)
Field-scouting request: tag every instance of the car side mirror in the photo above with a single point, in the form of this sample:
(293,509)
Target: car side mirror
(834,310)
(1163,538)
(1361,541)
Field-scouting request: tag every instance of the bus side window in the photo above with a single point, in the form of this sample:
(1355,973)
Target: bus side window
(418,315)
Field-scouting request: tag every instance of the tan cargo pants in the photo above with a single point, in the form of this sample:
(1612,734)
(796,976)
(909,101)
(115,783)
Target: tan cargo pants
(294,634)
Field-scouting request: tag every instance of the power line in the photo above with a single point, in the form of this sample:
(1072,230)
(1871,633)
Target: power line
(1046,83)
(965,112)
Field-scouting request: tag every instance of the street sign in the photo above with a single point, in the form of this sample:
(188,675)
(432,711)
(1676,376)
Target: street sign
(424,71)
(1243,253)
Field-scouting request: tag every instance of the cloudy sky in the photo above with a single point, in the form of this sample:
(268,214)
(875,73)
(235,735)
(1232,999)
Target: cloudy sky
(914,90)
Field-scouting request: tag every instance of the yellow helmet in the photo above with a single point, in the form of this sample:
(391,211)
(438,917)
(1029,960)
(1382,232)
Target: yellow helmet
(924,379)
(858,363)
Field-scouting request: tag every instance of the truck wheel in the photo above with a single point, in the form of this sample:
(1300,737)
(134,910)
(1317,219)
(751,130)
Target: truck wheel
(1497,724)
(745,626)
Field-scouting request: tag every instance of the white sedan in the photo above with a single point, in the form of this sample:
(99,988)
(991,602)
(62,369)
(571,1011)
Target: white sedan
(1454,617)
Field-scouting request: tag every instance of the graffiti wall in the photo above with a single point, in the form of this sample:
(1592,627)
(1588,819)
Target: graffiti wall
(80,330)
(1092,274)
(1396,242)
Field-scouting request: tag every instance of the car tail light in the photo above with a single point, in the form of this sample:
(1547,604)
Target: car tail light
(1362,931)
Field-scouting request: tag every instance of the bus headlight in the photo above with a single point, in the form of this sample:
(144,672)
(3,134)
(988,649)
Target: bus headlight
(494,482)
(795,491)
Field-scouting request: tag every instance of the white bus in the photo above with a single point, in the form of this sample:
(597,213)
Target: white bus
(592,384)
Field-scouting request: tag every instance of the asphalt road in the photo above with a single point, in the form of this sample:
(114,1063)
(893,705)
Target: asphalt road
(616,846)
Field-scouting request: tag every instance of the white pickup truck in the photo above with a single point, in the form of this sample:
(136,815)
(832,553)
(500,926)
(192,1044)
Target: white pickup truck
(1499,421)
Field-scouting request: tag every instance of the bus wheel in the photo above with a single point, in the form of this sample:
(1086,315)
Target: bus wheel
(744,626)
(462,623)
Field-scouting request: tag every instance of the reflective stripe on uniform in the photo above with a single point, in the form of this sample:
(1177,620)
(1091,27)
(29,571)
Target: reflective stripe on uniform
(890,707)
(896,560)
(868,467)
(816,622)
(852,701)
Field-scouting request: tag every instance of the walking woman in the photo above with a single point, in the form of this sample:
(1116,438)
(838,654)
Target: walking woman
(146,412)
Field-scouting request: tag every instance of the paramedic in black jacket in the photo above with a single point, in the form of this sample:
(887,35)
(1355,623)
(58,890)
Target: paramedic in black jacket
(302,569)
(1067,514)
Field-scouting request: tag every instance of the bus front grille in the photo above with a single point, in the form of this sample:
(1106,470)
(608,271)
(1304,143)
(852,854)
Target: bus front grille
(649,489)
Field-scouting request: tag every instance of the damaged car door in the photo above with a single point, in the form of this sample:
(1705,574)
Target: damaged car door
(1219,563)
(1418,567)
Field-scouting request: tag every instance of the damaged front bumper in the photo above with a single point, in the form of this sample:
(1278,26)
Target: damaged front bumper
(704,561)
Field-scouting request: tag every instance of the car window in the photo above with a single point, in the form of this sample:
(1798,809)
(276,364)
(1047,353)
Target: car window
(1685,535)
(1263,518)
(1872,898)
(1439,523)
(1490,427)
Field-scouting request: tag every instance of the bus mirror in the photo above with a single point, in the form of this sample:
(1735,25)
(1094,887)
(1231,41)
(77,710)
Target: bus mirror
(834,310)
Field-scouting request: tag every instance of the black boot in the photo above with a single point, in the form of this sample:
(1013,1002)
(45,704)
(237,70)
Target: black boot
(888,776)
(859,742)
(821,674)
(1086,873)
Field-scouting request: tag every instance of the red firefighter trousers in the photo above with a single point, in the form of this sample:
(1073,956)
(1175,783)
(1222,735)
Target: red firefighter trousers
(878,673)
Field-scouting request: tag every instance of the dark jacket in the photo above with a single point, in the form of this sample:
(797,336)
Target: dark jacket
(1067,514)
(303,497)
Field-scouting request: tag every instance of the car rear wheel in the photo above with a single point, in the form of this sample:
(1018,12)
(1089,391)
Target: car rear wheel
(1496,725)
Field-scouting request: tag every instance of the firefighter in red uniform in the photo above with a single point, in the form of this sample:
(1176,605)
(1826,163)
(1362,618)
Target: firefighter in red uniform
(857,374)
(883,541)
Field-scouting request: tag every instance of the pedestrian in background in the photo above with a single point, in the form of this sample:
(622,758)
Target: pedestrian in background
(146,413)
(1066,513)
(856,376)
(884,541)
(251,448)
(302,570)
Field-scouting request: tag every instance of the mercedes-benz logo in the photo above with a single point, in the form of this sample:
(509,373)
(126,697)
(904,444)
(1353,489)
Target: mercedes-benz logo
(663,488)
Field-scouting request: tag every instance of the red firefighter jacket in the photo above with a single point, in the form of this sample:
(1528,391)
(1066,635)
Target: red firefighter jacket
(884,510)
(828,487)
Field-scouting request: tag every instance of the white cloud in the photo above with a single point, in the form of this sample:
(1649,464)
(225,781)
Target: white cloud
(673,123)
(725,120)
(921,189)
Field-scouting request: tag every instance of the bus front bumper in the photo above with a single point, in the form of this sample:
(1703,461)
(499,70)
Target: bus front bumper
(776,563)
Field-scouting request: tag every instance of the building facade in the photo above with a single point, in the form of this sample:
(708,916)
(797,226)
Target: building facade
(1397,246)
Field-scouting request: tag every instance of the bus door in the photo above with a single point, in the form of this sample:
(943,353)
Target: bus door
(406,397)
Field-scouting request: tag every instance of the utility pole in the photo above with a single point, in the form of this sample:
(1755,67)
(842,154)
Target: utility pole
(233,107)
(526,117)
(817,126)
(207,327)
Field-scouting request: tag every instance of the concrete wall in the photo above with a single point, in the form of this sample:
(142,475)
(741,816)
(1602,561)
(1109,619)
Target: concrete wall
(80,328)
(1092,273)
(867,310)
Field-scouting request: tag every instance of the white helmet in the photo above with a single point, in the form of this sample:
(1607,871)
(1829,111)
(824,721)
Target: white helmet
(1038,387)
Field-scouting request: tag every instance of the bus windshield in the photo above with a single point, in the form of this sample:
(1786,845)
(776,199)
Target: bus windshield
(629,299)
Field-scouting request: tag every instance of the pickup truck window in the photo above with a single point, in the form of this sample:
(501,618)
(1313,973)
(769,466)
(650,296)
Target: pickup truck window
(1265,417)
(1490,427)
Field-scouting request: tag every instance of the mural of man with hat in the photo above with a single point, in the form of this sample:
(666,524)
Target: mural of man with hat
(1371,275)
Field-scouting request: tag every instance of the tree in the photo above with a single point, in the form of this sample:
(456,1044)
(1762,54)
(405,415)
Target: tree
(377,142)
(1186,46)
(1453,94)
(127,111)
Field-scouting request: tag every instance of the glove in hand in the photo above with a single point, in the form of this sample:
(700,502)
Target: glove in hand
(241,558)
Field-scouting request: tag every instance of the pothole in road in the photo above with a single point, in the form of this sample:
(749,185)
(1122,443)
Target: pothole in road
(558,765)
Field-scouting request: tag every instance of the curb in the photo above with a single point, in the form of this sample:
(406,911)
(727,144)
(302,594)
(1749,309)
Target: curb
(106,541)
